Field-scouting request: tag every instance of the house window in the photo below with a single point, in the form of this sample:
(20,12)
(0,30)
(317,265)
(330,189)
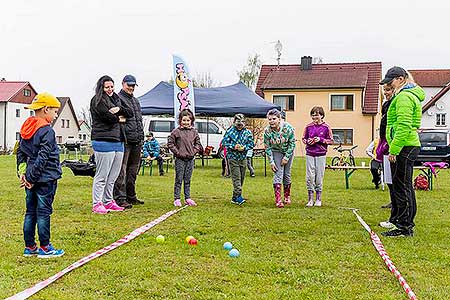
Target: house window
(84,137)
(343,136)
(31,113)
(17,113)
(27,92)
(440,120)
(341,102)
(59,139)
(286,102)
(63,122)
(79,136)
(17,136)
(67,124)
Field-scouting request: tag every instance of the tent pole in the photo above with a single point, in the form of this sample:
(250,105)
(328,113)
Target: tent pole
(207,135)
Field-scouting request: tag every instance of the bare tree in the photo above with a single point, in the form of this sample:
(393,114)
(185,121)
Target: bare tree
(204,80)
(85,115)
(317,60)
(250,72)
(249,76)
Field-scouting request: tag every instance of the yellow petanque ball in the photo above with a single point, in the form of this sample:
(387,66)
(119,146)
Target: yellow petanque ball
(189,238)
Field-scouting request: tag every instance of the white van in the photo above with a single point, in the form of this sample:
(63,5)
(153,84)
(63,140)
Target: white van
(161,128)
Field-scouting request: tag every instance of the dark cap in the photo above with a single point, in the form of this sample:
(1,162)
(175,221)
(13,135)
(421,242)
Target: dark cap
(393,73)
(130,80)
(149,134)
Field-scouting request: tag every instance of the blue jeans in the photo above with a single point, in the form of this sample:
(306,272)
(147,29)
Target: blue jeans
(39,202)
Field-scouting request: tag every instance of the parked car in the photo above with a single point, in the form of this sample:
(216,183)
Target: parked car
(435,145)
(210,132)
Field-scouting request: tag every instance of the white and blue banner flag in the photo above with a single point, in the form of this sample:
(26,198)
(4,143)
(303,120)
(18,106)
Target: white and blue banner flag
(183,89)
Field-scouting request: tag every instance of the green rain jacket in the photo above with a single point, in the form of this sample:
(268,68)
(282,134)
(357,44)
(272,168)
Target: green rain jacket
(403,119)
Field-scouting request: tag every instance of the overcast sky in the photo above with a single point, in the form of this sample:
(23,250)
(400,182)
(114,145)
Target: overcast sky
(63,47)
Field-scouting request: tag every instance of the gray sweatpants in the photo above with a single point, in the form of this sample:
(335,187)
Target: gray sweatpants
(315,170)
(108,168)
(183,173)
(283,173)
(237,169)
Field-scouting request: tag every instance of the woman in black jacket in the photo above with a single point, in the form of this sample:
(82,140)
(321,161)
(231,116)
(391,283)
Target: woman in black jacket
(109,114)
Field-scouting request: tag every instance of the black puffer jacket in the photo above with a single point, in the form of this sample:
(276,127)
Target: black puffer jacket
(383,121)
(134,129)
(105,125)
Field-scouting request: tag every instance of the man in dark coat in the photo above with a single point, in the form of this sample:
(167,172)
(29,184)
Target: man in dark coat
(125,186)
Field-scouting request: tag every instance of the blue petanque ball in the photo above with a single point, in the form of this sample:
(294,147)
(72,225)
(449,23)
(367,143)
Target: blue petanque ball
(227,246)
(234,253)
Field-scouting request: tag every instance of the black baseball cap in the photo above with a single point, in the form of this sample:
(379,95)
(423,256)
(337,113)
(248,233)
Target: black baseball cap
(130,80)
(393,73)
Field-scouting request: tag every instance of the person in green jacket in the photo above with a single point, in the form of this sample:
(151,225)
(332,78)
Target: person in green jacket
(403,120)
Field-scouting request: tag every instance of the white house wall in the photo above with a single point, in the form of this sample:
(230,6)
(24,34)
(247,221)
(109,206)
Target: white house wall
(13,123)
(64,133)
(430,92)
(429,117)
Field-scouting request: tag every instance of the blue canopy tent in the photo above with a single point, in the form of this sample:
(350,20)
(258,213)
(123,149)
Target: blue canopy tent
(209,102)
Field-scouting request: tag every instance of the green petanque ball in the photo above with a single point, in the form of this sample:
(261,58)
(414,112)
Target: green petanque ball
(160,239)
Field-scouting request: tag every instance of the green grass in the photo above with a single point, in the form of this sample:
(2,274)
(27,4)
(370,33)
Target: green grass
(291,253)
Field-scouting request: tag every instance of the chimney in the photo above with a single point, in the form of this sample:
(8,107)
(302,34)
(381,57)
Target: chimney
(306,63)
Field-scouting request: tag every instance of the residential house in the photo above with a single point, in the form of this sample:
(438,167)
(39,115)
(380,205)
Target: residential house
(14,96)
(349,93)
(436,107)
(66,124)
(85,132)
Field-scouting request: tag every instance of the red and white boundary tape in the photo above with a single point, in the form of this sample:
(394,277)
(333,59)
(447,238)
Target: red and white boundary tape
(137,232)
(387,260)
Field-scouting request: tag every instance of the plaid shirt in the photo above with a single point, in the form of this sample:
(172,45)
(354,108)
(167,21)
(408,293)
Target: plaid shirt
(243,137)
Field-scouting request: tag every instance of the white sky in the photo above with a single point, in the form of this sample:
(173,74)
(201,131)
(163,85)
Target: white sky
(63,47)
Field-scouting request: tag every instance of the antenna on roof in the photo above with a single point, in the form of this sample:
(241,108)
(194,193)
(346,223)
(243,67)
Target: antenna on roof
(278,48)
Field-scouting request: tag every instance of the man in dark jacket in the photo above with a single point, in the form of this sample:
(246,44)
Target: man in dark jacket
(125,186)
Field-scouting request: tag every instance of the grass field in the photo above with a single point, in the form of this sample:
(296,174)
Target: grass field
(290,253)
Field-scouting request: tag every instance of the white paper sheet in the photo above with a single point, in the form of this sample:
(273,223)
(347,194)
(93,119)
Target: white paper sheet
(387,170)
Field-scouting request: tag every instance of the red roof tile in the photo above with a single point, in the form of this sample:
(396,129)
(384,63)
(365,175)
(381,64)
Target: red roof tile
(431,78)
(344,75)
(8,89)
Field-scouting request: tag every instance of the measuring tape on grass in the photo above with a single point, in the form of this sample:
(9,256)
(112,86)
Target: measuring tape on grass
(135,233)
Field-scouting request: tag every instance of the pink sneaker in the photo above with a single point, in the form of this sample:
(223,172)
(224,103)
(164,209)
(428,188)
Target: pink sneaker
(99,208)
(112,206)
(177,202)
(190,202)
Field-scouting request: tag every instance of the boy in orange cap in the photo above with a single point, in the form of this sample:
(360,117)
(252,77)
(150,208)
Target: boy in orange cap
(39,169)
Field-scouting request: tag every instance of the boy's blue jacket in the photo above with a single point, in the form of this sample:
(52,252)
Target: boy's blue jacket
(151,148)
(39,150)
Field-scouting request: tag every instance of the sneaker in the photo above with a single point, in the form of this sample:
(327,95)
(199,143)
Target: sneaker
(318,203)
(310,203)
(161,174)
(387,225)
(124,204)
(29,251)
(252,175)
(238,200)
(112,206)
(397,233)
(50,252)
(135,201)
(99,208)
(190,202)
(177,203)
